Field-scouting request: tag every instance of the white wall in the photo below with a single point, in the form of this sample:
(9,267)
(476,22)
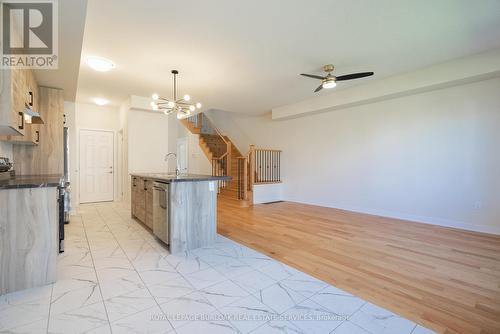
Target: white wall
(198,163)
(148,137)
(148,141)
(267,193)
(227,122)
(89,116)
(431,157)
(125,178)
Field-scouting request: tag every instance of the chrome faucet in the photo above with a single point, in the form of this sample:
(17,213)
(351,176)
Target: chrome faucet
(172,154)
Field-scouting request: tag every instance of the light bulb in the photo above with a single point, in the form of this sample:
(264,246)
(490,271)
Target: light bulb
(165,112)
(171,104)
(100,64)
(187,97)
(179,115)
(192,108)
(155,96)
(329,84)
(198,105)
(100,102)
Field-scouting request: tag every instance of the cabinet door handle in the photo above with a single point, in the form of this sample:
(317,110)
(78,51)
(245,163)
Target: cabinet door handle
(37,136)
(21,114)
(30,99)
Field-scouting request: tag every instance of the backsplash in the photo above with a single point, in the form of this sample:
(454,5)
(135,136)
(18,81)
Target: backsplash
(6,150)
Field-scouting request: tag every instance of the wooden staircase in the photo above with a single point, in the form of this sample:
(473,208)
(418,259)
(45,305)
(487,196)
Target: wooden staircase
(259,166)
(230,192)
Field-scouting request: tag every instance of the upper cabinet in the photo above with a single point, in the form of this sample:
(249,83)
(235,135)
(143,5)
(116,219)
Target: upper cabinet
(20,94)
(47,157)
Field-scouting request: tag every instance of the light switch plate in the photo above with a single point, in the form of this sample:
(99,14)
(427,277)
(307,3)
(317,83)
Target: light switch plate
(211,186)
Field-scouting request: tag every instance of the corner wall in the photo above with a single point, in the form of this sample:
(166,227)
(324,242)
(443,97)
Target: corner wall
(89,116)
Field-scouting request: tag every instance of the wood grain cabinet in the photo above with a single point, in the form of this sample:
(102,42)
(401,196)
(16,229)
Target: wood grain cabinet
(133,195)
(20,90)
(29,238)
(142,200)
(148,186)
(47,157)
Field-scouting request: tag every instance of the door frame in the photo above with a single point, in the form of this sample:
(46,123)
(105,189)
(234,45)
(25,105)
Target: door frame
(185,141)
(78,144)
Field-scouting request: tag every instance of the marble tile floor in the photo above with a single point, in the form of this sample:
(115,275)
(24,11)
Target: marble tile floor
(115,277)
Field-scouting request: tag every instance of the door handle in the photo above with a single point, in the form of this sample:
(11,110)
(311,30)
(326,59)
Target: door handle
(37,136)
(21,114)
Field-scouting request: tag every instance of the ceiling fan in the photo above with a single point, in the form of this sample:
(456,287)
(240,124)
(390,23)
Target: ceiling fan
(330,81)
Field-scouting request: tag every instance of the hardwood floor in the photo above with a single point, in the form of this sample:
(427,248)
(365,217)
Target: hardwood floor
(445,279)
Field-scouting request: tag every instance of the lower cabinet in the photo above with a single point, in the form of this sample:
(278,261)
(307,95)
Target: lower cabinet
(29,237)
(142,200)
(148,185)
(133,197)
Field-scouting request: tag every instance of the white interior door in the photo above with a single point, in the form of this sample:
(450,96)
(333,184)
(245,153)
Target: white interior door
(96,166)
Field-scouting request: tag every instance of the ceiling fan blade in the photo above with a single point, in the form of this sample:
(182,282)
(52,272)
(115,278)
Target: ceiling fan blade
(354,76)
(320,87)
(313,76)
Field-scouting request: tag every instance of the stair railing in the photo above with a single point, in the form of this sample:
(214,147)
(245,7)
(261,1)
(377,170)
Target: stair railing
(221,165)
(219,168)
(195,120)
(242,178)
(260,166)
(267,166)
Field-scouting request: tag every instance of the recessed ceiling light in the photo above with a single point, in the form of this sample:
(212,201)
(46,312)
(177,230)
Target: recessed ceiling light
(100,102)
(100,64)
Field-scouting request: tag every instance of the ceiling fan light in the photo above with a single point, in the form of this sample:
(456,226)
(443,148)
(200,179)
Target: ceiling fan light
(155,97)
(180,115)
(329,84)
(198,105)
(187,97)
(192,108)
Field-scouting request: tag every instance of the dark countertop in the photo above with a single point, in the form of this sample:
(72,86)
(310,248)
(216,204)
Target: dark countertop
(31,181)
(180,178)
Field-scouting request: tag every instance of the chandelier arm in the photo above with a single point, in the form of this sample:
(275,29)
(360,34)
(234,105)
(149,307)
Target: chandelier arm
(181,106)
(183,103)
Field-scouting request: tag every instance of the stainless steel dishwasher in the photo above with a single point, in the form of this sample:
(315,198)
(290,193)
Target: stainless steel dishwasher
(161,213)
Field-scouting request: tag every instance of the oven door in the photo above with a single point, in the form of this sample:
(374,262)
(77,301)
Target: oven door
(161,211)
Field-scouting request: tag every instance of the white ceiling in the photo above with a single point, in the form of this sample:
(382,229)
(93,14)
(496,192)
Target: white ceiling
(71,27)
(245,56)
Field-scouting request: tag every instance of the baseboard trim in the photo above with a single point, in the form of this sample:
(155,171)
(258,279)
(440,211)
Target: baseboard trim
(414,218)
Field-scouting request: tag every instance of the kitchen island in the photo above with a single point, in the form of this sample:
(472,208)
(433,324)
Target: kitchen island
(29,231)
(181,210)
